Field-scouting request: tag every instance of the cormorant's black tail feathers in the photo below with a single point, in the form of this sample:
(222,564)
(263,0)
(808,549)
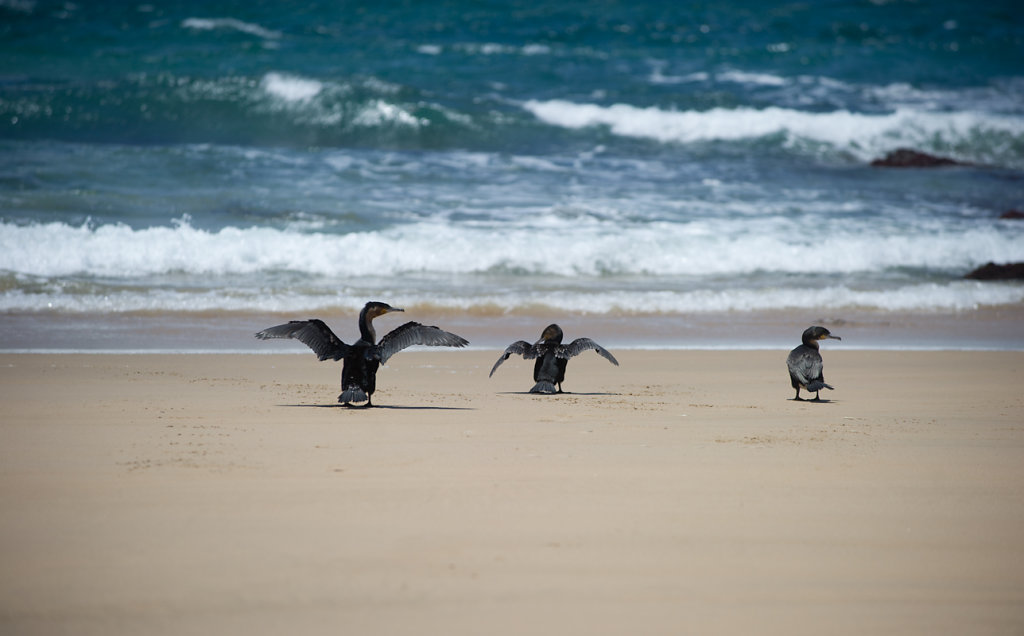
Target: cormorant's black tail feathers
(544,387)
(352,394)
(817,386)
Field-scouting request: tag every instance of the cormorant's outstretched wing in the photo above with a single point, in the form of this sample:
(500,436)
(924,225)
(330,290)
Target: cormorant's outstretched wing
(805,364)
(579,345)
(413,333)
(519,347)
(314,333)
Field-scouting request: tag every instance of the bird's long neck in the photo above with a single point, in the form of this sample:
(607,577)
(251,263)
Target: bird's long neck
(813,344)
(549,344)
(552,336)
(366,330)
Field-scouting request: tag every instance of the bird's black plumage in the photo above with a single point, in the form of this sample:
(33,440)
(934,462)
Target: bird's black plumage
(805,365)
(552,357)
(362,358)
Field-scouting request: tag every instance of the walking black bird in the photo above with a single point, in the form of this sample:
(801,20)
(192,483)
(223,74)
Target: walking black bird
(805,365)
(361,359)
(552,357)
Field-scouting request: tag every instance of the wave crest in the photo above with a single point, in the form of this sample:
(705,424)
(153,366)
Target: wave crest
(862,134)
(231,24)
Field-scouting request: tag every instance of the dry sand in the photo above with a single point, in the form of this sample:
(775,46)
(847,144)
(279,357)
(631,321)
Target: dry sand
(683,492)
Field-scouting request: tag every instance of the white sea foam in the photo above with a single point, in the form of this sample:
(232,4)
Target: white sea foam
(210,24)
(534,245)
(744,77)
(327,104)
(536,49)
(291,88)
(952,296)
(857,132)
(379,112)
(999,97)
(494,48)
(658,76)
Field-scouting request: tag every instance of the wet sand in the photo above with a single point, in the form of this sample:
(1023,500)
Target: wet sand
(682,492)
(996,328)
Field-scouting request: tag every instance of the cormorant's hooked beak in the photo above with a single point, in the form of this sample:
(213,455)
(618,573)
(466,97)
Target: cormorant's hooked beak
(831,337)
(391,309)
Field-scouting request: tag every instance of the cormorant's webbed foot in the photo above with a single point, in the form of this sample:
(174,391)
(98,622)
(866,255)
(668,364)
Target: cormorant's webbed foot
(350,405)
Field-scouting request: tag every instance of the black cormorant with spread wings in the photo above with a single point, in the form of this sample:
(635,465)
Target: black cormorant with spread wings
(552,357)
(361,359)
(804,362)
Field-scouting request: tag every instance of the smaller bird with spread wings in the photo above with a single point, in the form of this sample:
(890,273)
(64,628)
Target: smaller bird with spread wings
(552,357)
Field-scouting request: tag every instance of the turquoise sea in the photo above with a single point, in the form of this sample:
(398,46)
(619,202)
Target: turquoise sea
(655,166)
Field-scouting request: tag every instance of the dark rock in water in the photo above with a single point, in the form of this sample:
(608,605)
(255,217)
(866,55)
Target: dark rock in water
(1012,214)
(907,158)
(991,271)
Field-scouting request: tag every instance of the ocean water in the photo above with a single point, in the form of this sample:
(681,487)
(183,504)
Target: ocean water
(620,162)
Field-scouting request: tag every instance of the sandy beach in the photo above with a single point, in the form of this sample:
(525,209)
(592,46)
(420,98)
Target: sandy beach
(682,492)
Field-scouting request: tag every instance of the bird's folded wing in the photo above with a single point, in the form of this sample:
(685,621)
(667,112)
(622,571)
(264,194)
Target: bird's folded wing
(413,333)
(580,345)
(805,367)
(314,333)
(519,347)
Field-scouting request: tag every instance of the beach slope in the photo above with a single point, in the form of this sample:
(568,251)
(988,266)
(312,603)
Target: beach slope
(682,492)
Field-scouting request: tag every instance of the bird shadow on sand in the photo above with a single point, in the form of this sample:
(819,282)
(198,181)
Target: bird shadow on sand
(552,395)
(805,401)
(376,407)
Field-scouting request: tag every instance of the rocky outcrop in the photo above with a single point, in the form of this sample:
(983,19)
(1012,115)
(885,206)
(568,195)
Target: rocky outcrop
(991,271)
(907,158)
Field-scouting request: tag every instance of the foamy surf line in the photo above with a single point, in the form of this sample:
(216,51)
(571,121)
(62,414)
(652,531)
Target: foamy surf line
(957,296)
(607,247)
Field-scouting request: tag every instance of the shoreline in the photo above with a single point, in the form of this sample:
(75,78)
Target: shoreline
(682,490)
(995,328)
(305,352)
